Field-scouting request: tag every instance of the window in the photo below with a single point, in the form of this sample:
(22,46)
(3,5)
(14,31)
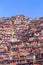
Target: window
(30,56)
(22,61)
(15,49)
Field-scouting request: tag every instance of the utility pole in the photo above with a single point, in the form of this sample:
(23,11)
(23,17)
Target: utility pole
(33,59)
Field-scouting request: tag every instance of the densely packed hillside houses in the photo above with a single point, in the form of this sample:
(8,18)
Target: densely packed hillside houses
(21,41)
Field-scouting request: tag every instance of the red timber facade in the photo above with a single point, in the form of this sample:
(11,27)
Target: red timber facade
(21,41)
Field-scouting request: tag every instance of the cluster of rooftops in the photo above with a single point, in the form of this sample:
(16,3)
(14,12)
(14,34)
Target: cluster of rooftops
(21,39)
